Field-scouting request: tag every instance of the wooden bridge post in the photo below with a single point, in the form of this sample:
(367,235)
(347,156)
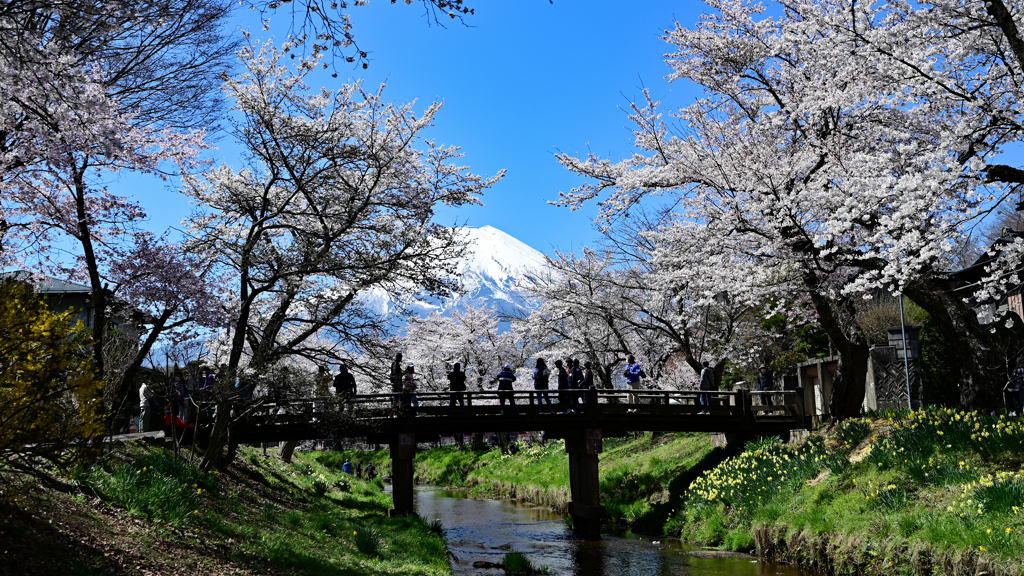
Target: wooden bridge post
(403,450)
(584,483)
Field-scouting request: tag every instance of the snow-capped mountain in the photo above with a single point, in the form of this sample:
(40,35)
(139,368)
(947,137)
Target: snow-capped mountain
(495,273)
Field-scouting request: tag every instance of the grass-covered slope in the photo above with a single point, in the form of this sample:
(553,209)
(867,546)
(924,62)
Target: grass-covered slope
(930,492)
(642,479)
(150,513)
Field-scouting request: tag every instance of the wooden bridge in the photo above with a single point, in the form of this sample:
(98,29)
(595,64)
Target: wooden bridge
(583,421)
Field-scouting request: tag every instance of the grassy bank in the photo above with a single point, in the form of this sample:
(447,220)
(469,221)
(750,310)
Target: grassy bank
(146,512)
(642,479)
(931,492)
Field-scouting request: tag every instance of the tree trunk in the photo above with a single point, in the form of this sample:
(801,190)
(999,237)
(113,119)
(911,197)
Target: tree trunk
(850,381)
(218,437)
(288,449)
(852,345)
(975,360)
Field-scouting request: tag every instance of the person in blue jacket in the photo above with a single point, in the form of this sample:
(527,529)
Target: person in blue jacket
(505,379)
(347,466)
(633,374)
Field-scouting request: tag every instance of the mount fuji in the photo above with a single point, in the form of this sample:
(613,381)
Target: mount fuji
(496,273)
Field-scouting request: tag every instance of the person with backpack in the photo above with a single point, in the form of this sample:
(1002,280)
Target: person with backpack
(457,385)
(541,376)
(505,379)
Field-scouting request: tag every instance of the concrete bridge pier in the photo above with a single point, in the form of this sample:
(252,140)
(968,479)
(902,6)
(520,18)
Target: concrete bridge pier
(403,450)
(584,482)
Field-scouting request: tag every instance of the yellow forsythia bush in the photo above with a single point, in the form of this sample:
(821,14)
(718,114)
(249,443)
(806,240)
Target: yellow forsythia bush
(51,409)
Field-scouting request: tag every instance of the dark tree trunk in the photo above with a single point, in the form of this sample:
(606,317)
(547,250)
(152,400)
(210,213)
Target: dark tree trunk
(850,381)
(288,449)
(976,361)
(852,345)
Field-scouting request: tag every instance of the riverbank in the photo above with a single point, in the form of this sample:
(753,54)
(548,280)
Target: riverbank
(146,512)
(643,479)
(931,492)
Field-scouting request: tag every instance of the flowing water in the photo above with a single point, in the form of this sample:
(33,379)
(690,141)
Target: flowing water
(485,530)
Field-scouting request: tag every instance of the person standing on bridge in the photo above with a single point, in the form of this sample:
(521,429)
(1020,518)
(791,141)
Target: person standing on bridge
(345,385)
(409,385)
(505,379)
(707,382)
(575,381)
(457,385)
(765,383)
(541,377)
(146,407)
(563,384)
(590,396)
(633,374)
(397,373)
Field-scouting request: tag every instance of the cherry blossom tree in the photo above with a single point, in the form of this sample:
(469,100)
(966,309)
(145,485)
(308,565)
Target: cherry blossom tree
(808,168)
(337,198)
(471,336)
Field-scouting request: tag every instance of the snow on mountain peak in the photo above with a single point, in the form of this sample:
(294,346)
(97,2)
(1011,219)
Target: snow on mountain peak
(499,256)
(496,272)
(499,269)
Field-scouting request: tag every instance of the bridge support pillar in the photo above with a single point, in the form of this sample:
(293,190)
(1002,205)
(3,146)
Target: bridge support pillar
(403,450)
(584,483)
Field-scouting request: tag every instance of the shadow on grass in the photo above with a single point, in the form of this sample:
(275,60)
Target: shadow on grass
(33,547)
(652,520)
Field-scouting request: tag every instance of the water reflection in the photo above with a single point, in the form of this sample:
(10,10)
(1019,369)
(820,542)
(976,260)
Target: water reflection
(485,530)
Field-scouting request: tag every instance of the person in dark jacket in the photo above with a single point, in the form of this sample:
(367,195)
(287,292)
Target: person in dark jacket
(344,382)
(541,376)
(765,383)
(576,380)
(457,385)
(707,382)
(395,376)
(563,383)
(588,384)
(505,379)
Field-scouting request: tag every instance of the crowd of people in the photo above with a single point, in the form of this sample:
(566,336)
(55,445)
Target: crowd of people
(567,383)
(573,380)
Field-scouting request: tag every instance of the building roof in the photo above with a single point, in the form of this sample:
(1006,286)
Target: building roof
(44,284)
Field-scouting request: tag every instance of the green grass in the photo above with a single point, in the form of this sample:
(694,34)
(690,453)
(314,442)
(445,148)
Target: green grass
(517,564)
(304,518)
(933,492)
(642,478)
(156,486)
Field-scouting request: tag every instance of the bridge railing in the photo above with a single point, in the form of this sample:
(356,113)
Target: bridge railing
(757,406)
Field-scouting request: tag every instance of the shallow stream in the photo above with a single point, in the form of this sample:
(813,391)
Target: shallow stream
(485,530)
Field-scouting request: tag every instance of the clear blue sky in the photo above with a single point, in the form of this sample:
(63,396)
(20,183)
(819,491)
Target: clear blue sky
(527,79)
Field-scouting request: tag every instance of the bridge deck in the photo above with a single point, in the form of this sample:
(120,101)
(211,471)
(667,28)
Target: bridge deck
(380,417)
